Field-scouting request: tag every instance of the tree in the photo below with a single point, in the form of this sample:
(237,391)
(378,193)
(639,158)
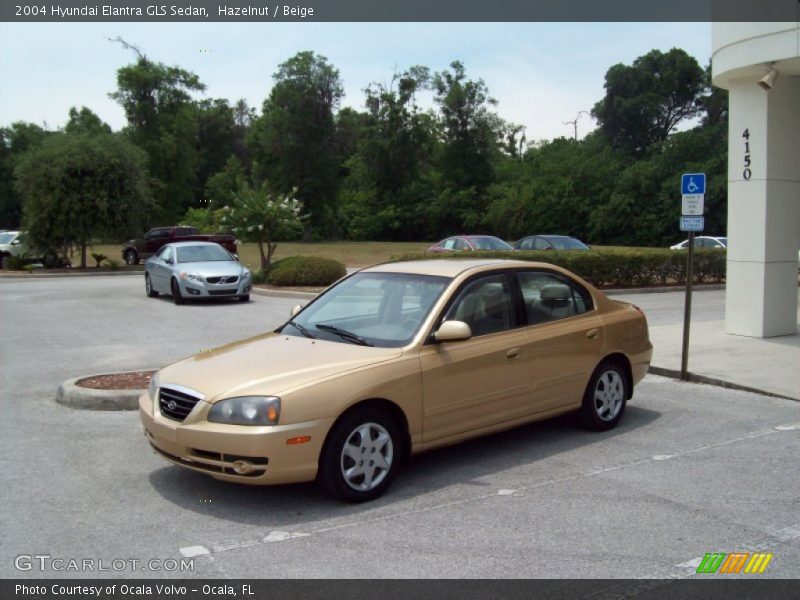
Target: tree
(162,120)
(644,102)
(76,187)
(14,142)
(266,218)
(388,186)
(85,121)
(470,133)
(293,143)
(222,187)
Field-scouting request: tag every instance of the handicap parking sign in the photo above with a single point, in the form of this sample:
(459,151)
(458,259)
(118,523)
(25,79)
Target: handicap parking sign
(693,183)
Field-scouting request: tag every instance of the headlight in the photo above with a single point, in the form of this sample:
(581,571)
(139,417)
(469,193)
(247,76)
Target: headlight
(192,276)
(152,389)
(246,274)
(247,410)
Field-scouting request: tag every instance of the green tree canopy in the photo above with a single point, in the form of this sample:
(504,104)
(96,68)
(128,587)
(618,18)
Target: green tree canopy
(644,102)
(294,143)
(78,187)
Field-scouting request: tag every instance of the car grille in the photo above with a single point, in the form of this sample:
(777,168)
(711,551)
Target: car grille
(222,279)
(174,404)
(222,292)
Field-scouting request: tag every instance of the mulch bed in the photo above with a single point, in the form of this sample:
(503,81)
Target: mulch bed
(118,381)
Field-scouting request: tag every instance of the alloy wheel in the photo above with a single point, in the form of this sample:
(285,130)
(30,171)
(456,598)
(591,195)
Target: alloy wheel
(366,457)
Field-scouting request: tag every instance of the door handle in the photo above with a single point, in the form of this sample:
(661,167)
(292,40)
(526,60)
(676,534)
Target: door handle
(592,334)
(512,354)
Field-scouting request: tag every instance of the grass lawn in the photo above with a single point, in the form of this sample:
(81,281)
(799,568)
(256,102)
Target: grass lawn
(352,254)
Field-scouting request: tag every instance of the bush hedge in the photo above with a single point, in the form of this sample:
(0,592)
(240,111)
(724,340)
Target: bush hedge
(614,268)
(305,270)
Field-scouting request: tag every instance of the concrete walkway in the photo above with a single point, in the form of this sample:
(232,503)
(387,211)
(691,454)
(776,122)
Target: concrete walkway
(770,364)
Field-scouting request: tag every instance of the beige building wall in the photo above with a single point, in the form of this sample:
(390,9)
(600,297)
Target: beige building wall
(763,174)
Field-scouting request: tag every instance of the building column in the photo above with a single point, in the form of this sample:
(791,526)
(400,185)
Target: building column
(763,208)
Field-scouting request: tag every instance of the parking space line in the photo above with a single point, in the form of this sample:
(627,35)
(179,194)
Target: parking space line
(281,536)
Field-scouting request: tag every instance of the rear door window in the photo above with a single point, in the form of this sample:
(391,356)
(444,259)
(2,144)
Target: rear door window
(550,297)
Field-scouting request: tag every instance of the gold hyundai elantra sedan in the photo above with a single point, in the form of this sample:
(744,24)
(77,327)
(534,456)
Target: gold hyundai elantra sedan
(394,360)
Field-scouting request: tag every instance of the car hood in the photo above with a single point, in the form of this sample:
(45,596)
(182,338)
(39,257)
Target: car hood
(214,268)
(268,364)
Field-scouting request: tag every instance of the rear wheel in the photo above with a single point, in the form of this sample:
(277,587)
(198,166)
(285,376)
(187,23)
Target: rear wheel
(177,297)
(605,396)
(131,257)
(148,286)
(360,456)
(4,261)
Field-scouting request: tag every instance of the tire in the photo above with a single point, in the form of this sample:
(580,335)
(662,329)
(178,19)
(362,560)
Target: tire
(343,474)
(177,297)
(148,287)
(131,257)
(244,298)
(4,261)
(605,397)
(49,260)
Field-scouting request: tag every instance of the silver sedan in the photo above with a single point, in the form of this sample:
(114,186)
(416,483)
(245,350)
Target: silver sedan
(187,270)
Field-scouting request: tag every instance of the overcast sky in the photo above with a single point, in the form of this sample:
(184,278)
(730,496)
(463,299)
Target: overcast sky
(540,73)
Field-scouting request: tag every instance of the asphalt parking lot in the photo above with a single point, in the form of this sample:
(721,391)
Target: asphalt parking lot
(692,469)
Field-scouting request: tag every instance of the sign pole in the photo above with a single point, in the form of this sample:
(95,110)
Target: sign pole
(687,309)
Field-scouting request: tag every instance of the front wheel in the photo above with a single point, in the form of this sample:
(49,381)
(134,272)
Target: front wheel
(148,286)
(360,456)
(131,257)
(4,261)
(604,399)
(177,297)
(244,298)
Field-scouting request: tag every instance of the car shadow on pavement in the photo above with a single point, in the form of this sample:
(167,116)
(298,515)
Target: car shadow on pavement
(470,463)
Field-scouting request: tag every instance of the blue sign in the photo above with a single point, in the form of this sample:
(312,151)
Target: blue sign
(692,223)
(693,183)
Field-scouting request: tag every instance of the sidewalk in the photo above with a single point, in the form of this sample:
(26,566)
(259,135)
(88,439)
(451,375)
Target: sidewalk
(768,364)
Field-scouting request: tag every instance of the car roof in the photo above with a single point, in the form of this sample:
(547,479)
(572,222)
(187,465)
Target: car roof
(190,243)
(444,267)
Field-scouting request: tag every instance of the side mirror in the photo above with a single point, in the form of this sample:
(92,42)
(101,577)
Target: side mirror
(235,257)
(15,243)
(453,331)
(295,309)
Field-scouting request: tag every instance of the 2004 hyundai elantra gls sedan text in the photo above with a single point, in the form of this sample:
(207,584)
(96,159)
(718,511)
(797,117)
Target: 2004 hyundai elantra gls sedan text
(398,359)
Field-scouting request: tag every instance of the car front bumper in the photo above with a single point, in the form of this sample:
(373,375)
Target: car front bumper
(191,288)
(244,454)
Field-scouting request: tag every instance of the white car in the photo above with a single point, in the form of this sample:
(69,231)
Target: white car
(703,241)
(11,244)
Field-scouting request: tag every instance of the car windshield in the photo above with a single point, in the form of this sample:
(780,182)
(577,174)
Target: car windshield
(187,254)
(489,243)
(567,243)
(371,309)
(7,238)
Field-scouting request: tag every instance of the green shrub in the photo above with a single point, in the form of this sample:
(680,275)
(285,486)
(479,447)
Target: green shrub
(113,264)
(305,270)
(259,277)
(614,268)
(14,263)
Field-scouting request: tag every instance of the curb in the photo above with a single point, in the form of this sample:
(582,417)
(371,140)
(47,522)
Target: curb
(74,396)
(21,275)
(697,287)
(694,378)
(283,293)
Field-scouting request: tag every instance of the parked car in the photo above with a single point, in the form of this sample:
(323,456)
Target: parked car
(12,243)
(470,243)
(187,270)
(397,359)
(134,251)
(703,241)
(550,242)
